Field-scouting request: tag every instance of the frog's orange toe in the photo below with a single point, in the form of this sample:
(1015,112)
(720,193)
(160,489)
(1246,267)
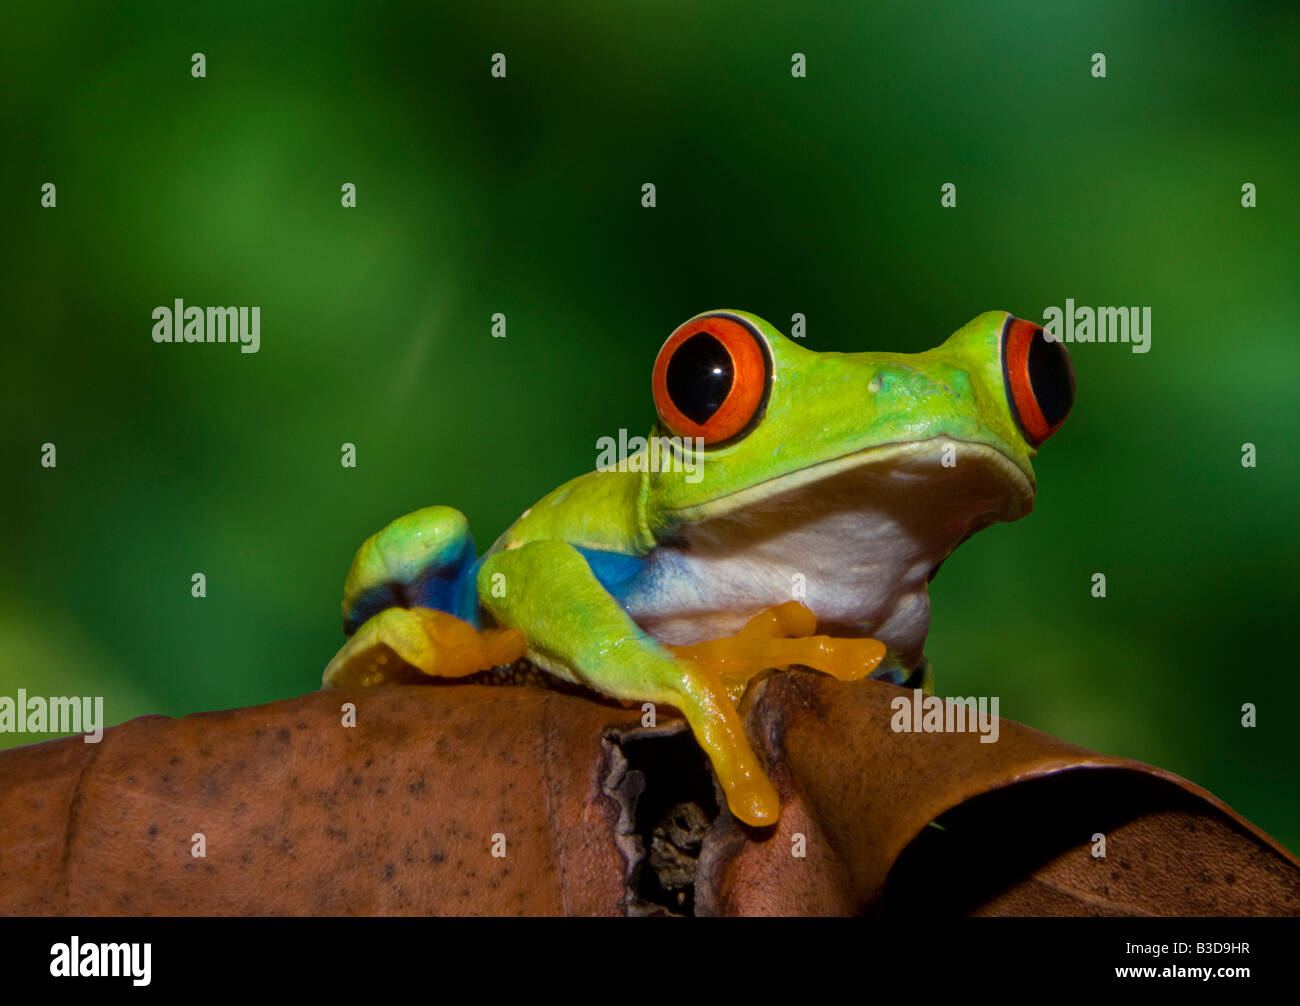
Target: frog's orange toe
(765,643)
(792,619)
(754,801)
(392,646)
(503,647)
(846,659)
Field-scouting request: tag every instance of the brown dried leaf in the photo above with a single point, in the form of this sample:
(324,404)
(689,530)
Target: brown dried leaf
(1018,817)
(396,815)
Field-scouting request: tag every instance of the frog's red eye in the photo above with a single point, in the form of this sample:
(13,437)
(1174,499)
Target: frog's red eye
(711,379)
(1039,379)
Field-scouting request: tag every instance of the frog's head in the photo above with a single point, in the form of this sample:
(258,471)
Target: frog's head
(771,416)
(864,451)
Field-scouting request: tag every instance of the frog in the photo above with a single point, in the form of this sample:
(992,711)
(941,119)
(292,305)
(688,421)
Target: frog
(789,508)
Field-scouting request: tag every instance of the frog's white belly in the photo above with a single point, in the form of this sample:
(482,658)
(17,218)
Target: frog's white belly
(857,548)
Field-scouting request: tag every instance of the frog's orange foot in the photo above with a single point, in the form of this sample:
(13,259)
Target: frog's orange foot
(778,638)
(402,645)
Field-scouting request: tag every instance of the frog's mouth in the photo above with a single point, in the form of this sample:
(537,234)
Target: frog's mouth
(857,539)
(978,475)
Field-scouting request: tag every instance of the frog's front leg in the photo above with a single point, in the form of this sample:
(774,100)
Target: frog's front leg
(575,628)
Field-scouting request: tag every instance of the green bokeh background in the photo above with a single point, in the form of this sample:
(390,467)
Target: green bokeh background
(478,195)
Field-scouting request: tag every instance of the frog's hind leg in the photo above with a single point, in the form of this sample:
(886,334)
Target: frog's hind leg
(409,607)
(422,560)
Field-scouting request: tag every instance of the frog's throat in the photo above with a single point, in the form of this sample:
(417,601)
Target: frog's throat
(1019,484)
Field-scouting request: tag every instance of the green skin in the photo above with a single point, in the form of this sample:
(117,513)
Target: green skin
(864,472)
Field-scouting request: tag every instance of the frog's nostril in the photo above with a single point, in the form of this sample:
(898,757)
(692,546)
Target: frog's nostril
(1039,379)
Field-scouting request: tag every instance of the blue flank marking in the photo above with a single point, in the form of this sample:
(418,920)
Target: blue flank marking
(450,584)
(615,571)
(442,585)
(893,675)
(447,584)
(468,586)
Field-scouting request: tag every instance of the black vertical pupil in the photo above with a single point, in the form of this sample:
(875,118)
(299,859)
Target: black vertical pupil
(1051,377)
(699,377)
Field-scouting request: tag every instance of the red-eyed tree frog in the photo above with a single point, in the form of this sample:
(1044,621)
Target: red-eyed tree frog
(796,511)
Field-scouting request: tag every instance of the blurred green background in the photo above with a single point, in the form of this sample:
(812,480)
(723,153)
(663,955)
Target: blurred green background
(478,195)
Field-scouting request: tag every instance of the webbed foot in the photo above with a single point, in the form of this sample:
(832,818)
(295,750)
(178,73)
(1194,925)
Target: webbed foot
(402,645)
(778,638)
